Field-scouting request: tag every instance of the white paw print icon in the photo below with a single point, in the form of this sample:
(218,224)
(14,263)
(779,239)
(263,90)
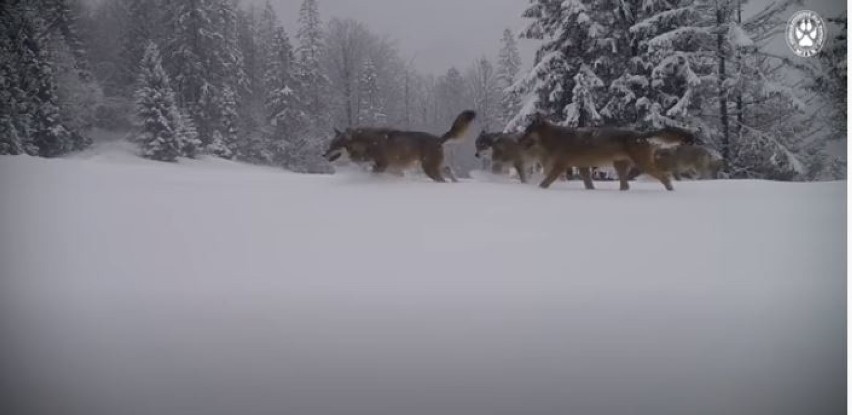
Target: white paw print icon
(805,33)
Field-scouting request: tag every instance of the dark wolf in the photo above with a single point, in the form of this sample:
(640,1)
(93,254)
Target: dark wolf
(620,148)
(396,151)
(697,162)
(506,152)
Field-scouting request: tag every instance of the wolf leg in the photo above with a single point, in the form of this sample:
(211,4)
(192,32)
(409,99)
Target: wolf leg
(448,171)
(434,174)
(586,175)
(643,156)
(522,171)
(555,171)
(432,167)
(622,167)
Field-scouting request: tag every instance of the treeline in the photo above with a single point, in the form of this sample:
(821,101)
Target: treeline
(697,64)
(218,77)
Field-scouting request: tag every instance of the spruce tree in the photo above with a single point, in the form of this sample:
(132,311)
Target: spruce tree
(142,18)
(309,55)
(38,82)
(204,62)
(160,122)
(575,46)
(508,69)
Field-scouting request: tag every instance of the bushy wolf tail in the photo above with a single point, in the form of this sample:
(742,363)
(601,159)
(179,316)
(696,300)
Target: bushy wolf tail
(460,126)
(671,136)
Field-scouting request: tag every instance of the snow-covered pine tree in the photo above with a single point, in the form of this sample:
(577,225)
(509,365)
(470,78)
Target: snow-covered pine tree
(508,69)
(309,55)
(14,119)
(828,78)
(187,133)
(371,108)
(160,121)
(576,45)
(284,111)
(227,137)
(28,68)
(774,132)
(204,61)
(310,75)
(664,47)
(59,19)
(142,22)
(233,73)
(252,96)
(76,93)
(190,43)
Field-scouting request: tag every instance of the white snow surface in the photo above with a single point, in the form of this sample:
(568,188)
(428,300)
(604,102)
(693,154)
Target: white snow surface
(211,287)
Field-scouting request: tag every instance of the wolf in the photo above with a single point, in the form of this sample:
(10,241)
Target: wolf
(396,150)
(620,148)
(507,152)
(342,143)
(697,161)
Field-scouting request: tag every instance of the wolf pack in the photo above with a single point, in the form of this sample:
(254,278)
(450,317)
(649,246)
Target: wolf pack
(555,150)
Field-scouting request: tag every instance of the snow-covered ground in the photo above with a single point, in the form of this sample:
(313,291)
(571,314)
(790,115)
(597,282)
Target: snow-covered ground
(210,287)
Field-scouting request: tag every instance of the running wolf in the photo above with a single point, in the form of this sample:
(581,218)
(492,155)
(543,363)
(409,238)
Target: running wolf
(397,150)
(506,153)
(697,161)
(619,148)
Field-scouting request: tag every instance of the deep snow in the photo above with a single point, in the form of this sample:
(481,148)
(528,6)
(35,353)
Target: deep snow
(135,287)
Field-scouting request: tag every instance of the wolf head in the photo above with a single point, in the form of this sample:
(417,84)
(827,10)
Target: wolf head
(337,145)
(484,142)
(355,143)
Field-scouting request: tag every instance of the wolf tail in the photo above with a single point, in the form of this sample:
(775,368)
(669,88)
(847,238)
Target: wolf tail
(460,126)
(670,136)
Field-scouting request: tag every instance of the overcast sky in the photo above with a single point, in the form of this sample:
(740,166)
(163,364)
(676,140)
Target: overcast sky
(439,34)
(436,33)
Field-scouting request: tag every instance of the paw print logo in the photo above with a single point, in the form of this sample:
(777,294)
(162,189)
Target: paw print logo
(806,33)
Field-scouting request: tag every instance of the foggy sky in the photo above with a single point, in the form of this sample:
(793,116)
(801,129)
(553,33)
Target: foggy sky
(438,34)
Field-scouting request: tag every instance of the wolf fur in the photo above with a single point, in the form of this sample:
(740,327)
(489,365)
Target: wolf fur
(396,150)
(697,161)
(620,148)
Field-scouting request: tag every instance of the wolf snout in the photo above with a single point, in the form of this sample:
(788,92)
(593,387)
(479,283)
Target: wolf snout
(332,155)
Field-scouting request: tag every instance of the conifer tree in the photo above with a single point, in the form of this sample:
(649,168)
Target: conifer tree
(160,129)
(508,69)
